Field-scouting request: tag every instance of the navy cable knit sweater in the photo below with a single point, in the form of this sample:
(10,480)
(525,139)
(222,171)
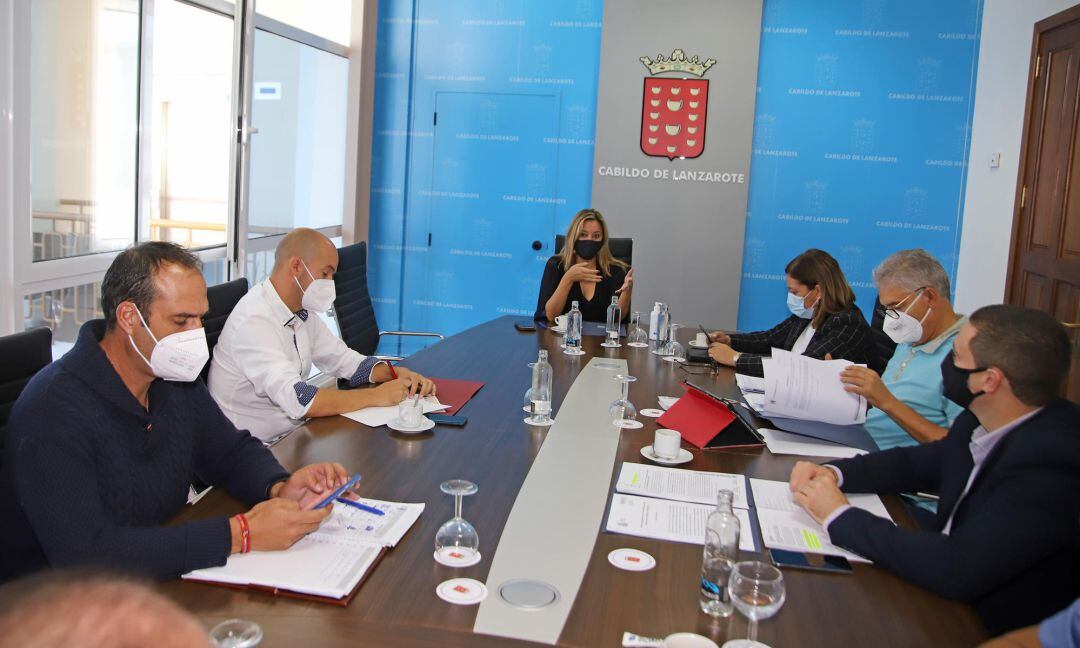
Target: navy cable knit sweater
(89,477)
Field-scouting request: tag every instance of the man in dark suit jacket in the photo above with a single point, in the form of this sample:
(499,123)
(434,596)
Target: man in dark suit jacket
(1006,537)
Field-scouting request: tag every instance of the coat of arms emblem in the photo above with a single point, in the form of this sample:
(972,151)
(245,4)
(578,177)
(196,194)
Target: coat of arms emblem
(673,109)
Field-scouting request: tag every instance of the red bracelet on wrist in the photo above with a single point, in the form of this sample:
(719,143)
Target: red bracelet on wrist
(393,374)
(245,534)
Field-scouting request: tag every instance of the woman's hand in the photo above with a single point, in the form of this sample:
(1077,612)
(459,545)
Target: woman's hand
(627,284)
(583,272)
(721,337)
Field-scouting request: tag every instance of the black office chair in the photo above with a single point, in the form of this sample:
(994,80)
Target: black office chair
(24,355)
(223,299)
(883,346)
(352,308)
(621,248)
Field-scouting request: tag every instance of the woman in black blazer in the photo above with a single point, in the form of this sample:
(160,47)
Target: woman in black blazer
(824,320)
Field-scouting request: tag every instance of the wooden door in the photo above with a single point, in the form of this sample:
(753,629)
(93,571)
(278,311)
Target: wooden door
(1044,264)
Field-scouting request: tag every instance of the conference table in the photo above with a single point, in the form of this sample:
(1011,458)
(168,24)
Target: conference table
(397,604)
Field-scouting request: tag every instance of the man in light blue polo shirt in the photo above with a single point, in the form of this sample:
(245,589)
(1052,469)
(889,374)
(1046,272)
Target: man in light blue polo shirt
(909,406)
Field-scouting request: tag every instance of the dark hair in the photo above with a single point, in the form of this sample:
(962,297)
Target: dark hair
(815,268)
(131,276)
(1030,347)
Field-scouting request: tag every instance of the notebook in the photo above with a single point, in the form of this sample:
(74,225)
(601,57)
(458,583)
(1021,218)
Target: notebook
(455,392)
(327,565)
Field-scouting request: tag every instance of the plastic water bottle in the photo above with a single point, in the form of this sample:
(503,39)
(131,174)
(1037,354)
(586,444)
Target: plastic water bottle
(614,319)
(654,326)
(541,389)
(573,331)
(721,553)
(663,322)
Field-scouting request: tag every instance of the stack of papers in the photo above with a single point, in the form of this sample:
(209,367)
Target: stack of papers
(674,504)
(329,563)
(376,416)
(785,525)
(797,386)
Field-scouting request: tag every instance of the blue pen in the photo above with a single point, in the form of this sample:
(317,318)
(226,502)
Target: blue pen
(332,496)
(362,507)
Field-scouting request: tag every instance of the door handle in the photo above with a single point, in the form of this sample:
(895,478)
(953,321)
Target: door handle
(537,245)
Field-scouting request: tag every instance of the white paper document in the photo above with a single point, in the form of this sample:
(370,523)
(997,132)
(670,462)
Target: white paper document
(786,443)
(750,383)
(376,416)
(667,401)
(329,562)
(800,387)
(785,525)
(681,485)
(647,517)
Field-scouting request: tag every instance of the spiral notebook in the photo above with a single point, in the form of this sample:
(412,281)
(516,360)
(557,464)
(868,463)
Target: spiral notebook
(328,565)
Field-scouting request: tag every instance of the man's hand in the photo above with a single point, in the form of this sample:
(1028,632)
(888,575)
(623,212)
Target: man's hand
(583,272)
(722,353)
(820,497)
(390,392)
(627,284)
(804,471)
(278,523)
(721,337)
(311,483)
(866,383)
(417,383)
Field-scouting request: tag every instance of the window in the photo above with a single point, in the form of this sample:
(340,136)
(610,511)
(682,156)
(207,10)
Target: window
(84,72)
(331,22)
(298,156)
(190,125)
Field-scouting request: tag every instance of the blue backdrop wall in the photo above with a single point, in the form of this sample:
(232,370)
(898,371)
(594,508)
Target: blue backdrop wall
(860,145)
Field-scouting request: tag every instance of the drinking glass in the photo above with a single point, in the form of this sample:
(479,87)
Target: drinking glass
(236,633)
(673,350)
(457,532)
(637,337)
(757,590)
(622,409)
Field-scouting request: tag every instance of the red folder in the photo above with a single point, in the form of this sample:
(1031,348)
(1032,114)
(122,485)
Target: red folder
(455,392)
(705,421)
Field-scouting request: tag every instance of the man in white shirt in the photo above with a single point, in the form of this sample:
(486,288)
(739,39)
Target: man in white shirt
(264,355)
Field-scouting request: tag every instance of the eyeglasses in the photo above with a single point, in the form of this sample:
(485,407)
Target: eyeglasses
(895,314)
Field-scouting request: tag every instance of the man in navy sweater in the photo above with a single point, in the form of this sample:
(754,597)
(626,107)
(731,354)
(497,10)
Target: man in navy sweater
(1007,532)
(103,444)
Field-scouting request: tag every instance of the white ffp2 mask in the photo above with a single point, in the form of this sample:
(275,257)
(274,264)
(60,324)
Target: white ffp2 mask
(320,293)
(905,329)
(178,357)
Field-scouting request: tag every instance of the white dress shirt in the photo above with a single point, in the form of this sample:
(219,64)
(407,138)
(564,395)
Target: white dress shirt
(803,340)
(264,356)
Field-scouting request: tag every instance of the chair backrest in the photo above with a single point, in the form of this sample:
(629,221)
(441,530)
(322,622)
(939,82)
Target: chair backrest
(621,248)
(223,299)
(23,355)
(352,307)
(883,344)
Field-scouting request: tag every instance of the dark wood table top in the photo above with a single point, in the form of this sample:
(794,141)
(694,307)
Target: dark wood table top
(397,605)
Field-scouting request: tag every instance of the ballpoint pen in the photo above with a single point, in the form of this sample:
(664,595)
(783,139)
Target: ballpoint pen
(362,507)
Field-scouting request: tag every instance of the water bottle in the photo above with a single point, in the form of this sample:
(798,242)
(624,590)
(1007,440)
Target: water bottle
(614,319)
(654,326)
(541,389)
(573,330)
(721,553)
(663,322)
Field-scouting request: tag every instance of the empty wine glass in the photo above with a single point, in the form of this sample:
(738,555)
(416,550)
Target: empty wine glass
(757,590)
(673,350)
(622,409)
(637,337)
(236,633)
(457,535)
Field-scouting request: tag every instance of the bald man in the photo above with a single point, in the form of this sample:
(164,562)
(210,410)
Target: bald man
(259,374)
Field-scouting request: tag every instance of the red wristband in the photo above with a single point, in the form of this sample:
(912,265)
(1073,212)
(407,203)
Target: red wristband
(393,374)
(245,534)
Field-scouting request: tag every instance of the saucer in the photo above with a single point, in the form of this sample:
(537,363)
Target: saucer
(560,331)
(457,557)
(631,560)
(684,456)
(462,591)
(694,344)
(424,426)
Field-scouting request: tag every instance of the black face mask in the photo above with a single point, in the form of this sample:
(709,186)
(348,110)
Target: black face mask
(586,249)
(954,382)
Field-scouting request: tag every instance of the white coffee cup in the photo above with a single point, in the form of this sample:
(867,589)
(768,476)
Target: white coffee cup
(701,340)
(666,443)
(560,321)
(410,413)
(688,640)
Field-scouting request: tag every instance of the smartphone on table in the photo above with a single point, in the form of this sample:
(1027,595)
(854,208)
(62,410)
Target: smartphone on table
(812,562)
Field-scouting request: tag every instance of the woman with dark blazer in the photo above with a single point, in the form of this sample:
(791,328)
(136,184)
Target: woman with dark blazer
(585,271)
(824,321)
